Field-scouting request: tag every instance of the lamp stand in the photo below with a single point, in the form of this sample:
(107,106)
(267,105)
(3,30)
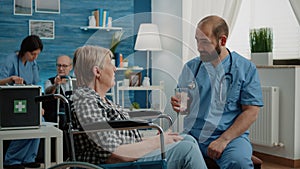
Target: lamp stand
(147,99)
(148,52)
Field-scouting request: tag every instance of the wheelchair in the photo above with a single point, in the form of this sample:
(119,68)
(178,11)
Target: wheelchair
(69,132)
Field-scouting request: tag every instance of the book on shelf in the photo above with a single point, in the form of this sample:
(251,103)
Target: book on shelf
(101,16)
(96,15)
(105,17)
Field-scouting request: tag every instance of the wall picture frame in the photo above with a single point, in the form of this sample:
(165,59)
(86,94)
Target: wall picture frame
(47,6)
(23,7)
(135,79)
(42,28)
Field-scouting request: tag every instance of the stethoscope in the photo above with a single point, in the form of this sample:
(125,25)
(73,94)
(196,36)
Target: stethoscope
(228,75)
(24,82)
(18,66)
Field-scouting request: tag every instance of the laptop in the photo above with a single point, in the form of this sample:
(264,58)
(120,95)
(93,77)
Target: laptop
(18,109)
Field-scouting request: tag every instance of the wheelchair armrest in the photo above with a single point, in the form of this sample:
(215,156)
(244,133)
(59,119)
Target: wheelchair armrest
(144,114)
(116,124)
(150,115)
(126,125)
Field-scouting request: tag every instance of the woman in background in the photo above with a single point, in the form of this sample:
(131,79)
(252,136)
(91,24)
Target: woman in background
(21,68)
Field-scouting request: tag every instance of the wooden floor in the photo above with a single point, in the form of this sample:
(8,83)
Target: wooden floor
(274,162)
(270,165)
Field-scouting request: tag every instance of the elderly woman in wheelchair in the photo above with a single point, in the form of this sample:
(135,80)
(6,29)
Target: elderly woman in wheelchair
(95,76)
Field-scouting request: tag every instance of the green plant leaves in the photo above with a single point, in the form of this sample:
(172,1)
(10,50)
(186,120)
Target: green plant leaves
(115,40)
(261,40)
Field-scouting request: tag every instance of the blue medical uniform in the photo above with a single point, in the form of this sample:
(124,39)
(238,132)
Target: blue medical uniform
(211,114)
(25,150)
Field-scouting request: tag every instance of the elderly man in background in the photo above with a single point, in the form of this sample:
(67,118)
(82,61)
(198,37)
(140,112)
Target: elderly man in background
(58,84)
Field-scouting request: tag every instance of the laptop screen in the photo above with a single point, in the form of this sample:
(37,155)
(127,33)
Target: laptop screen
(18,108)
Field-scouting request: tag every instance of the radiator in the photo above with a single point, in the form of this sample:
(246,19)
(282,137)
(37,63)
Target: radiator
(265,130)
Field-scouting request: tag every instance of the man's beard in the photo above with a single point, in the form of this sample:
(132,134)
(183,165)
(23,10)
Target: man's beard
(210,56)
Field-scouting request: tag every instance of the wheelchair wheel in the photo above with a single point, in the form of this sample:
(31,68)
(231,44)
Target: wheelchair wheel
(75,164)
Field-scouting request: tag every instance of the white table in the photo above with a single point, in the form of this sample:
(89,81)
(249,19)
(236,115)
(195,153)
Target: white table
(46,132)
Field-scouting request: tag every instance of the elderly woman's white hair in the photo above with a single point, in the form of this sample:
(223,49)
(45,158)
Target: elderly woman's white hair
(85,58)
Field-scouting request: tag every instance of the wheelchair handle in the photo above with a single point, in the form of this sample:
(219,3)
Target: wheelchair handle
(49,97)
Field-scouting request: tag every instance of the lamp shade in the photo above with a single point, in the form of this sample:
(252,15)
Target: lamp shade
(148,38)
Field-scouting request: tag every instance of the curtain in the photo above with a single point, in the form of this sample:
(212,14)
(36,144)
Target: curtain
(194,10)
(296,8)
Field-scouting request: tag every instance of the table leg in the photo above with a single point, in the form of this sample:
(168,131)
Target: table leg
(1,153)
(59,150)
(47,152)
(123,99)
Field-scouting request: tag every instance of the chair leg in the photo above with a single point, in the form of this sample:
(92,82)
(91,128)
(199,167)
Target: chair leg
(256,162)
(210,163)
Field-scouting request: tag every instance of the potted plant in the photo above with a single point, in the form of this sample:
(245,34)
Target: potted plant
(261,45)
(125,62)
(115,40)
(127,75)
(135,105)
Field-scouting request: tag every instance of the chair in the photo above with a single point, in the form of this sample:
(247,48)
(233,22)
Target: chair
(70,131)
(211,164)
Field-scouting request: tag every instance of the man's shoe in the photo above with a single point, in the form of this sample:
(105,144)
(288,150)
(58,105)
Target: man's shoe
(15,166)
(32,165)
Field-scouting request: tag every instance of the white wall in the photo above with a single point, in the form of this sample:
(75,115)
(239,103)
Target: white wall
(167,64)
(288,81)
(297,115)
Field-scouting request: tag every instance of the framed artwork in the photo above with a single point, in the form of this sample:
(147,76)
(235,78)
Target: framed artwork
(135,79)
(42,28)
(22,7)
(47,6)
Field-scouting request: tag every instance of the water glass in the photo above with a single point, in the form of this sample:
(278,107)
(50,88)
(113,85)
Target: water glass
(182,95)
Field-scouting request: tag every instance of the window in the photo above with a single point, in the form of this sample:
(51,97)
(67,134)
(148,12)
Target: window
(277,14)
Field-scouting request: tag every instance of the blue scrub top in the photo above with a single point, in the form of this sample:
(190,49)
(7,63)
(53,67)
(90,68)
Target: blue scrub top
(13,66)
(209,117)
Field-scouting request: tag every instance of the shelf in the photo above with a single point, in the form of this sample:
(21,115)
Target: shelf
(137,110)
(140,87)
(132,68)
(101,28)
